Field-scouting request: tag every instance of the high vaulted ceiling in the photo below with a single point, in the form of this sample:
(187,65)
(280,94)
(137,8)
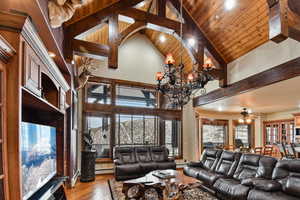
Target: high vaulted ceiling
(232,32)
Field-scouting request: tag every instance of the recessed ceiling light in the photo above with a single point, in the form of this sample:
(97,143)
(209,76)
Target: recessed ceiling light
(249,111)
(230,4)
(220,109)
(191,42)
(51,54)
(162,38)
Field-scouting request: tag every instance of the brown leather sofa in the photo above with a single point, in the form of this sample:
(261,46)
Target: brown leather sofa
(236,176)
(134,162)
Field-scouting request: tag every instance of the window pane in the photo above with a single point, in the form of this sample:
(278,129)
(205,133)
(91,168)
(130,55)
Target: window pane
(136,130)
(213,135)
(135,97)
(98,93)
(241,133)
(173,136)
(99,127)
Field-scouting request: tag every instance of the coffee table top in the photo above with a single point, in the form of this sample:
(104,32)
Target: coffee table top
(150,179)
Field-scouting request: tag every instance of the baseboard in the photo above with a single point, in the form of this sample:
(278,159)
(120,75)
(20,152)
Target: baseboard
(104,171)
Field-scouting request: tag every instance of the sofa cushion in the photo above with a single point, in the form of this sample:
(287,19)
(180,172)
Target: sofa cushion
(227,163)
(266,167)
(125,155)
(128,169)
(292,186)
(159,154)
(247,167)
(262,195)
(166,165)
(142,154)
(230,189)
(210,158)
(285,168)
(148,167)
(207,177)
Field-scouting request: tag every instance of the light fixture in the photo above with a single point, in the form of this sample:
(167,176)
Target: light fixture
(191,42)
(230,4)
(245,117)
(72,62)
(173,84)
(51,54)
(220,109)
(162,38)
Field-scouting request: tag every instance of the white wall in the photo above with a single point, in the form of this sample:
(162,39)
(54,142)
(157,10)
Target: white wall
(138,59)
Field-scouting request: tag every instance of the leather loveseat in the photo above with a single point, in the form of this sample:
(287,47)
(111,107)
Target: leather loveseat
(134,162)
(236,176)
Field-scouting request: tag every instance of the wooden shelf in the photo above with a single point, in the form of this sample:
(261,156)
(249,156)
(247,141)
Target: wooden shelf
(33,101)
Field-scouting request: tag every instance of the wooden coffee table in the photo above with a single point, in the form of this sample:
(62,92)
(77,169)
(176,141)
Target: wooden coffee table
(152,187)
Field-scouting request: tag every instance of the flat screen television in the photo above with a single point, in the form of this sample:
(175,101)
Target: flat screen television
(38,155)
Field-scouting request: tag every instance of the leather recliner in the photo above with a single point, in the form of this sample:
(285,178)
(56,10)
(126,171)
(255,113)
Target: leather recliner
(250,167)
(285,183)
(208,162)
(134,162)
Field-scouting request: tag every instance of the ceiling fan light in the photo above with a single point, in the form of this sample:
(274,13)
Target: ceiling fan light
(241,121)
(248,121)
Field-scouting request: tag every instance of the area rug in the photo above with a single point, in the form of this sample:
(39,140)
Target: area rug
(191,192)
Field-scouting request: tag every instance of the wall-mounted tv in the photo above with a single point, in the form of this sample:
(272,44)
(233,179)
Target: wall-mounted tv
(38,154)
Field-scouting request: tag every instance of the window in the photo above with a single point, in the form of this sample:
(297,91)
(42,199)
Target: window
(99,128)
(242,134)
(214,133)
(135,97)
(98,93)
(173,136)
(279,131)
(136,130)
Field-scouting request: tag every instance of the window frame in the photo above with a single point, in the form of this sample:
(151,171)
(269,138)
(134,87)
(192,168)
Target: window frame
(112,110)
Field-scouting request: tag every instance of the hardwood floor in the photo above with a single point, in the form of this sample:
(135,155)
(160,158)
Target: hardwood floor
(99,190)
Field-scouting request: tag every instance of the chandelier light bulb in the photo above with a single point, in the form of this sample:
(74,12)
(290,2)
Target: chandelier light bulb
(169,59)
(208,63)
(190,77)
(159,76)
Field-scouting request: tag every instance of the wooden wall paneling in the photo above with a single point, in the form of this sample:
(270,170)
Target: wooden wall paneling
(276,74)
(113,36)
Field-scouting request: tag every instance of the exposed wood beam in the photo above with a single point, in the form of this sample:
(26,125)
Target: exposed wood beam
(133,28)
(276,74)
(90,49)
(113,36)
(279,27)
(161,8)
(97,18)
(294,5)
(151,18)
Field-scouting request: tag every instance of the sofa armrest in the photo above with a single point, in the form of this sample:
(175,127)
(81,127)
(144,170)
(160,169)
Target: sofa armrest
(195,164)
(262,184)
(118,162)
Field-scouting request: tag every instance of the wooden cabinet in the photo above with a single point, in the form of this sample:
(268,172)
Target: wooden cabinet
(32,70)
(3,170)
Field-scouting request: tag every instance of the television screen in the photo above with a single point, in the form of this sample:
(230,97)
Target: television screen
(38,153)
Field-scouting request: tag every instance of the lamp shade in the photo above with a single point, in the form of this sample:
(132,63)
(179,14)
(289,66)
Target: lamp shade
(169,59)
(159,76)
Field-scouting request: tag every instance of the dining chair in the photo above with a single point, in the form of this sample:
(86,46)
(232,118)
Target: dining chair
(282,150)
(268,150)
(258,150)
(290,151)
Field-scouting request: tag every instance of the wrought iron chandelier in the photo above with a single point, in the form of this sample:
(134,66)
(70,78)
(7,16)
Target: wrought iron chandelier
(174,84)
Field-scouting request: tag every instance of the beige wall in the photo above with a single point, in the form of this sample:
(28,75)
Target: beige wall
(280,115)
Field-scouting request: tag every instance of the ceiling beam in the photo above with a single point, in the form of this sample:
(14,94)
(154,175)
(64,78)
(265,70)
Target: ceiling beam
(279,26)
(276,74)
(161,7)
(294,5)
(90,49)
(151,18)
(113,37)
(97,18)
(132,29)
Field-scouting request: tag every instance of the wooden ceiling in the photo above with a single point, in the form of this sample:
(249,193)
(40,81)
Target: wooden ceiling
(233,32)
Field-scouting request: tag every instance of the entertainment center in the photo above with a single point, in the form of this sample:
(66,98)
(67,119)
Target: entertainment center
(36,119)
